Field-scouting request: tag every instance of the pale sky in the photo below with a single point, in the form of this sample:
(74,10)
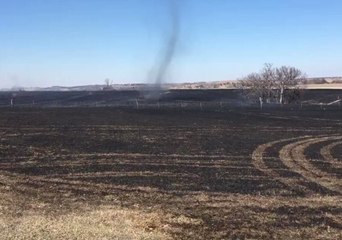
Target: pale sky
(78,42)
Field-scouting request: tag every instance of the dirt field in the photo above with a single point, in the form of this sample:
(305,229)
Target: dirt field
(105,173)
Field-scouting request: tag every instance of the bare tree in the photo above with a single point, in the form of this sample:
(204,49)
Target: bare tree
(287,79)
(259,86)
(272,84)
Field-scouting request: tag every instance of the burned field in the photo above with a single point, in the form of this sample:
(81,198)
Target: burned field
(186,174)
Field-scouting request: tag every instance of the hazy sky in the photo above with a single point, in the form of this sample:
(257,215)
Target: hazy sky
(78,42)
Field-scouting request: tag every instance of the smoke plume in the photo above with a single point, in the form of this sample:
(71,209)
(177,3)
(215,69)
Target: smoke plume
(170,47)
(167,53)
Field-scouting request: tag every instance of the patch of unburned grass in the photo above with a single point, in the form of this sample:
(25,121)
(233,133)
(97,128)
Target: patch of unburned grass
(105,223)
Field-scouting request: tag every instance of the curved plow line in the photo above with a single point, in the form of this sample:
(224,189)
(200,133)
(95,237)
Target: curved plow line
(9,167)
(122,174)
(326,154)
(89,162)
(133,155)
(100,157)
(259,163)
(18,181)
(61,184)
(41,161)
(90,175)
(292,155)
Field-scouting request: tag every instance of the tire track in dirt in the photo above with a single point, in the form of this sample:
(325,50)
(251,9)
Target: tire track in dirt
(293,157)
(38,158)
(258,160)
(326,154)
(33,183)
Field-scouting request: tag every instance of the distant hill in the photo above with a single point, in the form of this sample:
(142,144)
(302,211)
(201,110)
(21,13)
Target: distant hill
(310,83)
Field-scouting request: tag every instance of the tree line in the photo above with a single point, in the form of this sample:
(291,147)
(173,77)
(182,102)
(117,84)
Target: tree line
(273,84)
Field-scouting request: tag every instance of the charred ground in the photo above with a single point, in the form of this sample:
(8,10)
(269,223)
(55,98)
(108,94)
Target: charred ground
(233,173)
(121,98)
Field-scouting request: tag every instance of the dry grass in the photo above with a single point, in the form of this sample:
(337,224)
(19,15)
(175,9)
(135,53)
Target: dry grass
(28,218)
(248,217)
(266,217)
(110,223)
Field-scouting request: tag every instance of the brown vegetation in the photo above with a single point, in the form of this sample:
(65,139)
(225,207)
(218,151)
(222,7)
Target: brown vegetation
(102,173)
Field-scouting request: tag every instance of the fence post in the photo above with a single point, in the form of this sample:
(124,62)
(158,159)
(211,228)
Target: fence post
(261,102)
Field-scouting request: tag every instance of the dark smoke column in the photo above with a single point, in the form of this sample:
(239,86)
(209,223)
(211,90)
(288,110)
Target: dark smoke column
(169,48)
(167,54)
